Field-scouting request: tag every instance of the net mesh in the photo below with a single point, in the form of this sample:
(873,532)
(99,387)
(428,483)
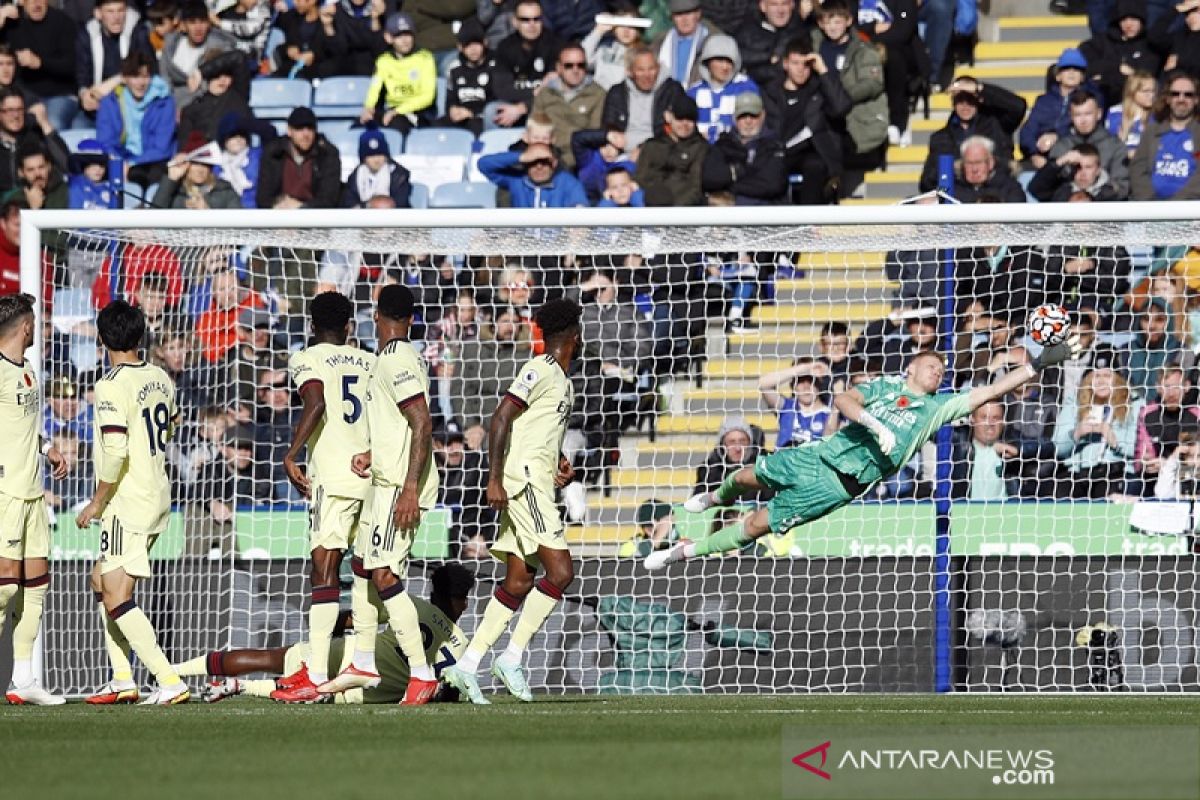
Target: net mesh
(1070,561)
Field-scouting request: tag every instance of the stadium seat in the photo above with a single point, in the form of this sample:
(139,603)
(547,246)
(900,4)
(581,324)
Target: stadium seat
(340,97)
(440,142)
(76,135)
(440,101)
(465,194)
(133,196)
(420,196)
(498,140)
(274,98)
(433,171)
(329,127)
(153,190)
(280,126)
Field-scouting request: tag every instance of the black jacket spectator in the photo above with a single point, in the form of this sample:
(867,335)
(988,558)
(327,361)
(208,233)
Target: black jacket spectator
(720,463)
(133,38)
(812,107)
(755,171)
(28,136)
(725,15)
(571,20)
(1171,39)
(616,105)
(906,60)
(1108,53)
(44,38)
(995,113)
(521,65)
(999,186)
(1081,276)
(308,35)
(471,86)
(205,113)
(762,44)
(357,44)
(1006,280)
(326,173)
(1055,184)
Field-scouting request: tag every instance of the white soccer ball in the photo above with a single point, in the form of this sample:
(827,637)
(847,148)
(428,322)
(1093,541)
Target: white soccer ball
(1049,325)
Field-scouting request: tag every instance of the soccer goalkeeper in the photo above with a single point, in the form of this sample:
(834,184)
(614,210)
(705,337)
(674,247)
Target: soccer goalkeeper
(891,418)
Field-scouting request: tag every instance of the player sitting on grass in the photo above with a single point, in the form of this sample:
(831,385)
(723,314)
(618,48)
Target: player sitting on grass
(135,418)
(444,644)
(527,465)
(892,418)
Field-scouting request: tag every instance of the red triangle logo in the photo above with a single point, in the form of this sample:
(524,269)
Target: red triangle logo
(802,760)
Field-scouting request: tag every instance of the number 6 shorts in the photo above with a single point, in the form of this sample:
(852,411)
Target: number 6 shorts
(121,548)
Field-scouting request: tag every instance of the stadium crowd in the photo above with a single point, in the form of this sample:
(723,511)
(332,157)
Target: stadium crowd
(606,103)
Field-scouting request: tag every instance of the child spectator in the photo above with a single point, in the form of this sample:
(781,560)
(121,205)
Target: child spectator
(597,153)
(1050,116)
(802,415)
(470,86)
(88,186)
(137,121)
(377,174)
(607,45)
(404,86)
(620,190)
(184,51)
(239,161)
(249,23)
(721,81)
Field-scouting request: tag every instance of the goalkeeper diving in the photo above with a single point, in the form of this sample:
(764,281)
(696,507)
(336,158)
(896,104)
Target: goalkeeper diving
(891,418)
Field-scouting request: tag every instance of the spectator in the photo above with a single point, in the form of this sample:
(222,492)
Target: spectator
(1050,117)
(1164,164)
(984,466)
(218,69)
(489,364)
(1095,437)
(861,71)
(607,46)
(239,161)
(621,191)
(1087,127)
(1077,170)
(922,336)
(533,178)
(1122,50)
(597,153)
(571,100)
(190,182)
(656,530)
(216,327)
(377,174)
(721,81)
(802,415)
(979,179)
(204,436)
(1127,120)
(249,23)
(748,161)
(1064,380)
(979,109)
(1181,43)
(162,21)
(234,480)
(274,422)
(1152,349)
(918,272)
(803,105)
(522,61)
(184,51)
(359,25)
(1163,423)
(462,489)
(18,133)
(637,107)
(47,67)
(1178,477)
(678,49)
(436,19)
(10,247)
(893,27)
(738,444)
(116,33)
(310,47)
(833,350)
(670,166)
(938,16)
(175,352)
(404,86)
(137,121)
(470,86)
(571,20)
(66,410)
(65,495)
(8,79)
(764,35)
(88,186)
(153,299)
(301,169)
(496,17)
(121,273)
(40,184)
(1087,277)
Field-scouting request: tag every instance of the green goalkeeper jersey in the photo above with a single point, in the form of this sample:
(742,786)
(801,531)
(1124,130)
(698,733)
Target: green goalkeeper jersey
(913,418)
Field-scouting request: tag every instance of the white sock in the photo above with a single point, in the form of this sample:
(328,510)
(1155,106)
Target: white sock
(365,660)
(689,550)
(469,663)
(512,655)
(423,673)
(22,673)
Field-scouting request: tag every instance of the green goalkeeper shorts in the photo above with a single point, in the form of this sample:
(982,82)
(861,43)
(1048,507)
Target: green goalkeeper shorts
(805,487)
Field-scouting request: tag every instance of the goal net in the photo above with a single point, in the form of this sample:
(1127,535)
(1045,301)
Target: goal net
(1044,544)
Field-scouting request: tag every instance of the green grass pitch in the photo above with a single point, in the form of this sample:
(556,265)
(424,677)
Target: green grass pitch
(573,747)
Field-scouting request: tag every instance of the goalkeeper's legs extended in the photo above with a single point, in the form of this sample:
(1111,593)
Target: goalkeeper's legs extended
(744,481)
(734,537)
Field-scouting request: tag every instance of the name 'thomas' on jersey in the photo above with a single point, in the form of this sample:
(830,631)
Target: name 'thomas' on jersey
(135,418)
(400,377)
(343,372)
(546,394)
(20,418)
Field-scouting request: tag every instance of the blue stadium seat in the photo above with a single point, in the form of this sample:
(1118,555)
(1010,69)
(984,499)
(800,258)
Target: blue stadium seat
(498,140)
(340,97)
(420,196)
(133,196)
(153,190)
(346,141)
(274,98)
(76,135)
(440,99)
(329,127)
(467,194)
(440,142)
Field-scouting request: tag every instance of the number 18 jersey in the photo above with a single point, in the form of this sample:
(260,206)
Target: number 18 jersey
(135,418)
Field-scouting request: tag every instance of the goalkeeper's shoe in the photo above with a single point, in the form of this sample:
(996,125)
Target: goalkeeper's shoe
(659,559)
(216,691)
(513,678)
(699,503)
(466,684)
(350,678)
(115,693)
(32,695)
(168,695)
(299,689)
(419,692)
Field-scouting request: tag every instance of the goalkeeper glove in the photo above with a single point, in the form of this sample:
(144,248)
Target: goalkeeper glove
(886,439)
(1057,353)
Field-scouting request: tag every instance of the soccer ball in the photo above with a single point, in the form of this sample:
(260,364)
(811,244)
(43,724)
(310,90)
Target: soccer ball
(1049,325)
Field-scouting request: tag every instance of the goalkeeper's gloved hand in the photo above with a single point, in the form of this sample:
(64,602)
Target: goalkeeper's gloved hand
(886,439)
(1057,353)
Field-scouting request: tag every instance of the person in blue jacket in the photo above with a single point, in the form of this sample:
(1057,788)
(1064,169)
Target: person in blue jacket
(597,152)
(620,190)
(1050,116)
(88,186)
(533,179)
(137,121)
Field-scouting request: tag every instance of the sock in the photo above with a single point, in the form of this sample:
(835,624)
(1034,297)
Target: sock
(322,617)
(366,617)
(723,541)
(406,624)
(116,645)
(140,634)
(262,688)
(513,655)
(496,615)
(728,491)
(196,666)
(8,590)
(540,603)
(28,620)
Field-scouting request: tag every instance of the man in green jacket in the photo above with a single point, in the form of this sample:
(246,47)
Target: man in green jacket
(670,166)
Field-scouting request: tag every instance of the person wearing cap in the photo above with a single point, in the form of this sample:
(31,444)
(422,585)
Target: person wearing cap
(310,42)
(137,121)
(376,175)
(185,50)
(203,113)
(606,45)
(1050,116)
(764,35)
(858,63)
(240,161)
(679,48)
(533,178)
(571,99)
(301,169)
(738,445)
(637,106)
(656,530)
(1164,165)
(978,109)
(749,160)
(670,165)
(721,82)
(404,86)
(190,182)
(471,84)
(522,61)
(88,186)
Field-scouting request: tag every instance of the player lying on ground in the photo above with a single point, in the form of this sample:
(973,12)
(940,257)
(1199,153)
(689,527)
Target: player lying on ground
(444,644)
(24,528)
(892,418)
(527,465)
